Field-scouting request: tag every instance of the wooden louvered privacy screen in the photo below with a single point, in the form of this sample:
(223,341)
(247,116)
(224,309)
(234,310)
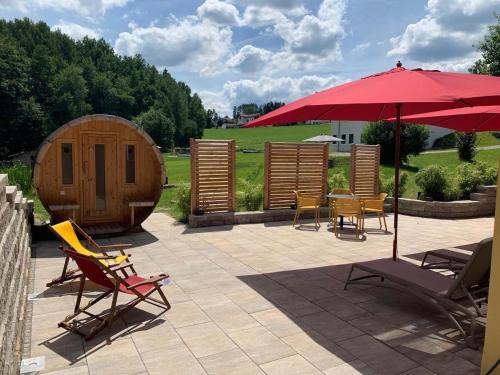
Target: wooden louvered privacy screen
(294,166)
(365,168)
(212,175)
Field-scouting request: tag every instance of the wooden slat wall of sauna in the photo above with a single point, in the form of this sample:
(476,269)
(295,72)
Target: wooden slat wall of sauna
(294,166)
(213,175)
(365,168)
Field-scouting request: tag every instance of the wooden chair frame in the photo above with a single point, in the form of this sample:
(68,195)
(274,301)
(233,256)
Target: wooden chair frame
(353,214)
(305,203)
(375,206)
(72,325)
(102,253)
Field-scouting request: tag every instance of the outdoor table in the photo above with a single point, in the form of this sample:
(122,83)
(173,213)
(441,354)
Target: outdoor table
(341,196)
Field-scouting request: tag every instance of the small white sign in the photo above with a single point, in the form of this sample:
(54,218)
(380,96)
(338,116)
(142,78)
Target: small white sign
(32,365)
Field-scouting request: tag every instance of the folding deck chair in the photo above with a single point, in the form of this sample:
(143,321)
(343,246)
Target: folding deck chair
(447,294)
(109,278)
(67,233)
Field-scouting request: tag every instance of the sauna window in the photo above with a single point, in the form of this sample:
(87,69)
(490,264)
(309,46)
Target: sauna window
(67,163)
(100,178)
(130,164)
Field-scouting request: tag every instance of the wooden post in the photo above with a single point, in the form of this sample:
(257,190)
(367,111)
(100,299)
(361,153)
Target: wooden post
(377,171)
(194,156)
(232,175)
(353,169)
(326,148)
(267,173)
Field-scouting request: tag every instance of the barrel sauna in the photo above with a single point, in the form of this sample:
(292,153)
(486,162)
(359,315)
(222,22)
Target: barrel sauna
(102,171)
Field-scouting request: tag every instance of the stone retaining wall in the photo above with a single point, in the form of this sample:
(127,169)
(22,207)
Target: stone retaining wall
(15,253)
(481,203)
(252,217)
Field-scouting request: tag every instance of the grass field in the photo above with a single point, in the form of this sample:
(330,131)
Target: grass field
(255,137)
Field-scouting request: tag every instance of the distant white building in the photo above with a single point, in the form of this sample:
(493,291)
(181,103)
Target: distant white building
(350,132)
(243,119)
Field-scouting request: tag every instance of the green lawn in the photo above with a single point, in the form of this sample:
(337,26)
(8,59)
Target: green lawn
(487,139)
(255,137)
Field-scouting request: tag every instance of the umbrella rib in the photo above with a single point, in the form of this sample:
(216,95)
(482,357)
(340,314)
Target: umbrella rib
(326,112)
(485,121)
(380,112)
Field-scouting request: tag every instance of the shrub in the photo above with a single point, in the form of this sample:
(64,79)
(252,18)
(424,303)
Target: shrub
(433,181)
(337,181)
(413,139)
(250,198)
(19,174)
(452,192)
(488,174)
(387,185)
(470,176)
(466,145)
(183,202)
(496,134)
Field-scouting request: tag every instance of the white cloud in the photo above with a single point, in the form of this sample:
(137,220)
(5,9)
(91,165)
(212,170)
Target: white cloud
(446,35)
(194,45)
(362,47)
(265,89)
(249,59)
(278,4)
(215,100)
(260,16)
(219,12)
(89,9)
(313,40)
(75,30)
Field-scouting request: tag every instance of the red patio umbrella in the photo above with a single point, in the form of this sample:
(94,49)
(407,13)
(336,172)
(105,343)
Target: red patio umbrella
(392,94)
(469,119)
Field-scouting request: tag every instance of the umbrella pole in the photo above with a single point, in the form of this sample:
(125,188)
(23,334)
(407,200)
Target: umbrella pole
(397,159)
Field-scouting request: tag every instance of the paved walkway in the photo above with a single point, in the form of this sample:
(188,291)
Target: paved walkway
(492,147)
(261,299)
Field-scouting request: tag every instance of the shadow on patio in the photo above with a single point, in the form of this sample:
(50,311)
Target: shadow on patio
(386,330)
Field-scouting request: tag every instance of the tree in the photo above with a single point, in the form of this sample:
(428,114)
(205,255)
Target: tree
(212,119)
(158,126)
(269,107)
(413,139)
(490,49)
(70,90)
(466,146)
(47,79)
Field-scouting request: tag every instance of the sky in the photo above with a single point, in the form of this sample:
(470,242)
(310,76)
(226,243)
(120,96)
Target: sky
(232,52)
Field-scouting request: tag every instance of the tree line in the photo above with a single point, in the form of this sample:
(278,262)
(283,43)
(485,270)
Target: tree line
(48,79)
(251,108)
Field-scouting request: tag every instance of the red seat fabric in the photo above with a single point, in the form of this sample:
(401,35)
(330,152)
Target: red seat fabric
(134,279)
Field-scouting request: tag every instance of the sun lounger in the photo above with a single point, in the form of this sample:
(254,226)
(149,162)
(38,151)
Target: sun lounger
(67,233)
(113,283)
(446,294)
(450,259)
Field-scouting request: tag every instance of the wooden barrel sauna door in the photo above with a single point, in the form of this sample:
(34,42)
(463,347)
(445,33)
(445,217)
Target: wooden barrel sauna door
(101,171)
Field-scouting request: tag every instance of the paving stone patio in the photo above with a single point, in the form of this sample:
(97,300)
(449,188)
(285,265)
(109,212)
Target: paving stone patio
(260,299)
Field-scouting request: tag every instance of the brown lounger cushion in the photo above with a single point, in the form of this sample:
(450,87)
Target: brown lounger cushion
(405,273)
(452,255)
